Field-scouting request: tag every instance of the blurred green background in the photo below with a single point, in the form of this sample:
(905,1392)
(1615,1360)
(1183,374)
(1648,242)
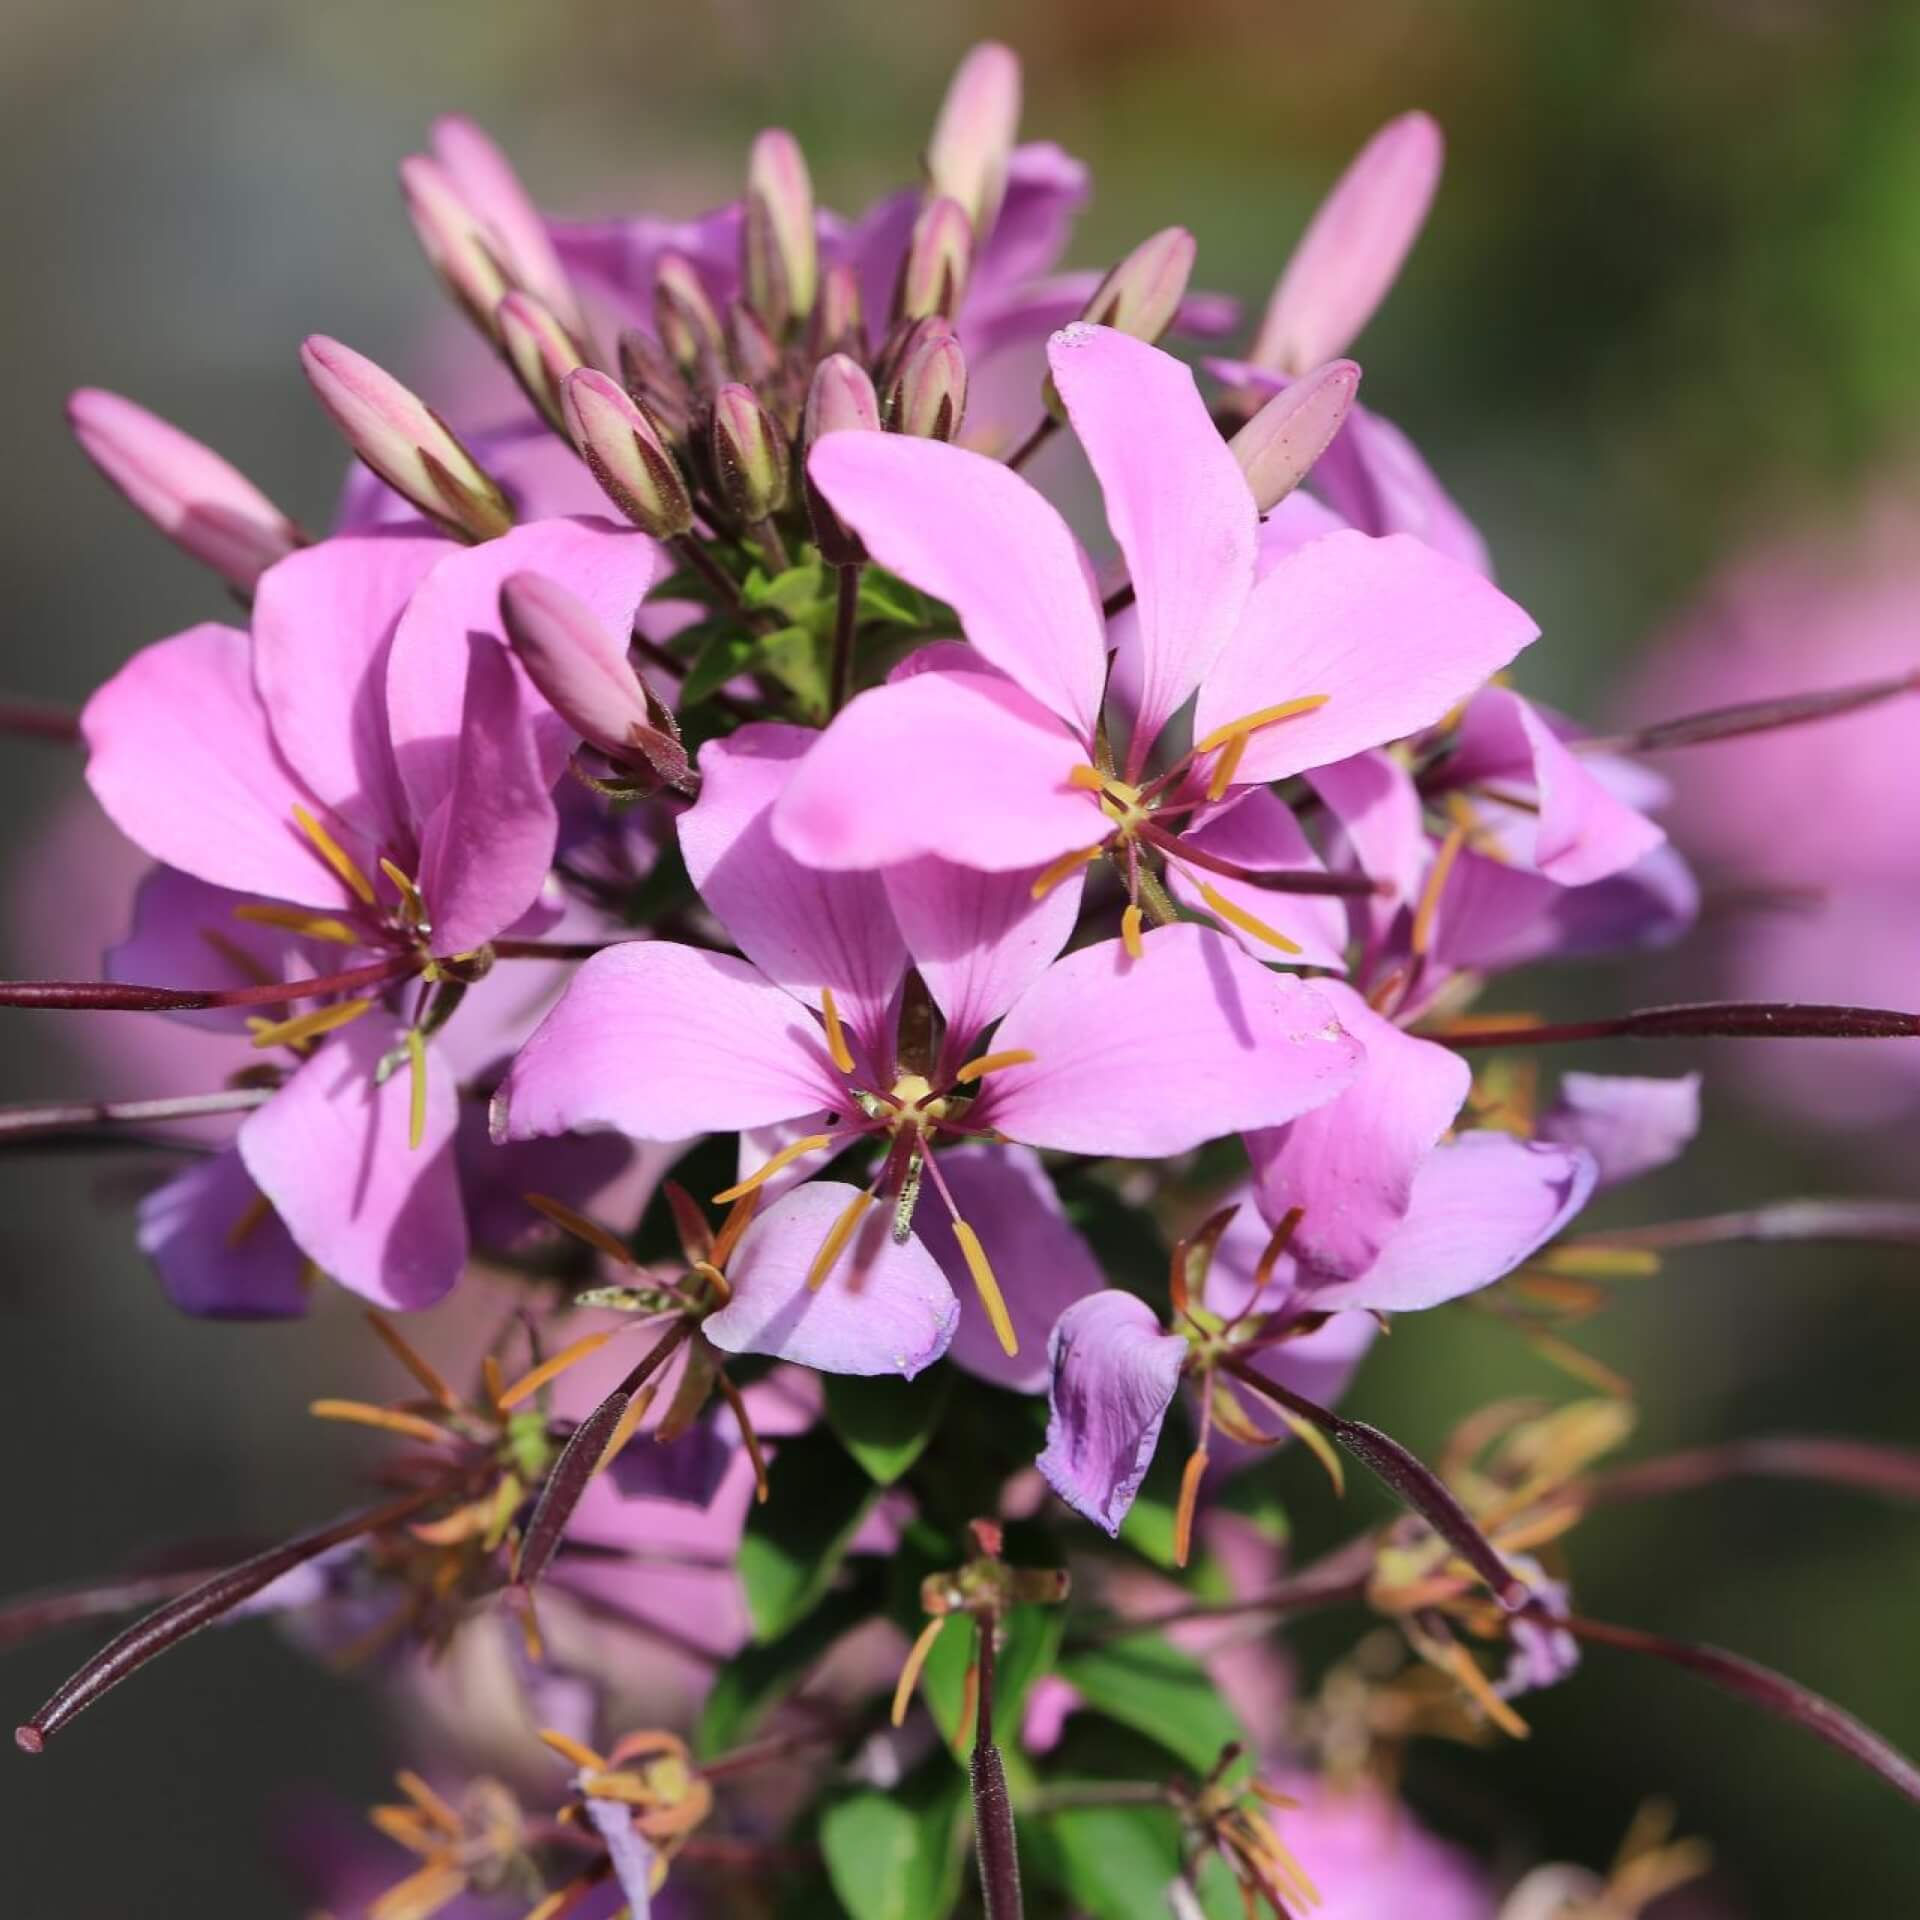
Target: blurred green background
(1670,297)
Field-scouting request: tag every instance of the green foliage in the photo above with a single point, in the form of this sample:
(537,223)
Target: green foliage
(794,1545)
(1147,1683)
(899,1855)
(884,1422)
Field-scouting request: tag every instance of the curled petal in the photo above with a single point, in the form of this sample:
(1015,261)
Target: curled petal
(1630,1124)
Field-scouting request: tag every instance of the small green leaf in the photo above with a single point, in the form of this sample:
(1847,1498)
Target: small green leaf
(793,1547)
(1028,1650)
(792,656)
(1148,1684)
(897,1856)
(885,597)
(794,593)
(885,1422)
(726,652)
(1116,1862)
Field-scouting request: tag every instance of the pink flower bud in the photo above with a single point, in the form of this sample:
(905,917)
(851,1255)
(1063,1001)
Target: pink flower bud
(1278,446)
(974,134)
(751,349)
(1142,294)
(457,247)
(625,454)
(684,316)
(749,455)
(655,384)
(205,507)
(540,351)
(933,277)
(486,181)
(927,394)
(835,323)
(841,400)
(781,264)
(1353,249)
(404,441)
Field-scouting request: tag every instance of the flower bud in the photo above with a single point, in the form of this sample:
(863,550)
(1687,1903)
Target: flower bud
(973,137)
(684,317)
(207,508)
(780,267)
(841,400)
(404,441)
(749,455)
(933,276)
(1353,248)
(751,350)
(655,384)
(1278,446)
(1142,294)
(625,454)
(484,178)
(927,391)
(834,326)
(540,351)
(457,247)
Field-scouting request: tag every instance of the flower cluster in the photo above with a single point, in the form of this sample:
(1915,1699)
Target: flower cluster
(874,1015)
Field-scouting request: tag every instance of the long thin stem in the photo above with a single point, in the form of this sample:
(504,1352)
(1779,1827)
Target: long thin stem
(994,1840)
(846,621)
(1751,716)
(1709,1020)
(1860,1465)
(1034,441)
(40,720)
(710,570)
(1331,1581)
(1835,1222)
(31,1123)
(111,996)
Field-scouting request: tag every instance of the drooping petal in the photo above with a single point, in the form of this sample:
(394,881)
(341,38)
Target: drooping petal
(804,927)
(1256,829)
(220,1251)
(962,765)
(1037,1254)
(1114,1376)
(1153,1056)
(660,1041)
(330,1150)
(1393,635)
(885,1308)
(1351,1165)
(1176,500)
(974,534)
(1630,1123)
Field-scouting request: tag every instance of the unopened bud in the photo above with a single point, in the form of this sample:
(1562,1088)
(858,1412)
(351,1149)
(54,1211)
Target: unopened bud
(1278,446)
(841,400)
(1142,294)
(933,277)
(974,134)
(780,244)
(749,455)
(684,317)
(540,351)
(751,350)
(404,441)
(655,384)
(927,392)
(625,454)
(457,246)
(207,508)
(834,326)
(486,181)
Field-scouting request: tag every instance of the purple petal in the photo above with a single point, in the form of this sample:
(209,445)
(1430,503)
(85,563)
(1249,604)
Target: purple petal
(216,1253)
(1630,1125)
(1376,479)
(1377,804)
(1256,829)
(630,1851)
(1046,188)
(1114,1376)
(885,1308)
(1153,1056)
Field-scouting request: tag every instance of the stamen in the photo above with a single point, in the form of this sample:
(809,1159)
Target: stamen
(1423,916)
(1591,1260)
(1130,923)
(722,1291)
(1183,1513)
(733,1226)
(334,854)
(987,1286)
(402,1350)
(417,1090)
(591,1231)
(531,1382)
(836,1034)
(253,1216)
(731,1394)
(1227,766)
(307,1026)
(689,1224)
(493,1379)
(1262,717)
(1088,779)
(412,908)
(1276,1246)
(429,1802)
(992,1063)
(1294,1881)
(808,1143)
(1055,871)
(1218,903)
(315,926)
(1457,1661)
(360,1414)
(916,1659)
(835,1243)
(568,1748)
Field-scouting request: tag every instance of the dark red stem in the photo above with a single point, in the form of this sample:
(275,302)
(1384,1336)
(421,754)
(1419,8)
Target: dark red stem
(111,996)
(1709,1020)
(40,720)
(995,1843)
(1751,716)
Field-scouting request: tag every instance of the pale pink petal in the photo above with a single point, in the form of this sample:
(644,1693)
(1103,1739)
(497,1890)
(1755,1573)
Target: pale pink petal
(1350,1166)
(1153,1056)
(962,765)
(1176,500)
(216,1252)
(1257,830)
(1392,634)
(1377,805)
(659,1041)
(804,927)
(1380,482)
(885,1308)
(492,190)
(1630,1124)
(330,1150)
(974,534)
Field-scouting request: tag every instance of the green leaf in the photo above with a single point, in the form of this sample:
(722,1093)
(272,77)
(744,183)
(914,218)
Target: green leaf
(884,596)
(817,1498)
(794,593)
(793,657)
(725,652)
(896,1856)
(885,1422)
(1116,1862)
(1148,1527)
(1032,1641)
(1148,1684)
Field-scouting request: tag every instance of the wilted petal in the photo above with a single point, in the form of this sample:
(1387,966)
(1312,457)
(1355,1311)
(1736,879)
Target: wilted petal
(219,1250)
(1114,1376)
(1630,1124)
(1153,1056)
(630,1851)
(885,1308)
(1257,830)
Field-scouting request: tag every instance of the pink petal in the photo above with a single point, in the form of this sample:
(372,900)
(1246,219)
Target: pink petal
(1374,799)
(804,927)
(1393,634)
(180,756)
(1257,830)
(1380,482)
(1176,500)
(885,1308)
(1351,1164)
(974,534)
(1151,1057)
(962,765)
(492,190)
(660,1041)
(585,672)
(1629,1123)
(330,1151)
(215,1253)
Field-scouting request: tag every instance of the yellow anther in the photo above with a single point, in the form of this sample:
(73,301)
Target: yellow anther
(253,1216)
(1226,766)
(1262,717)
(315,926)
(722,1289)
(1218,903)
(743,1419)
(306,1026)
(1423,916)
(417,1090)
(1131,921)
(987,1286)
(1189,1499)
(334,854)
(1319,1446)
(1055,871)
(411,905)
(360,1413)
(1088,779)
(992,1063)
(568,1748)
(530,1383)
(835,1243)
(916,1659)
(429,1802)
(807,1143)
(591,1231)
(836,1034)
